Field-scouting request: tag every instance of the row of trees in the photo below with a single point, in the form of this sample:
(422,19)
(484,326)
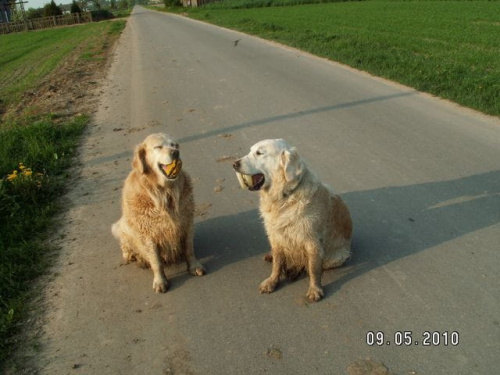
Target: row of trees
(52,9)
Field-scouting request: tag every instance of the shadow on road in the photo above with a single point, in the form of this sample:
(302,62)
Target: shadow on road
(290,116)
(389,223)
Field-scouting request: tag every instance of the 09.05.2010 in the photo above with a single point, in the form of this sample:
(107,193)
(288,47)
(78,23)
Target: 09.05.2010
(407,338)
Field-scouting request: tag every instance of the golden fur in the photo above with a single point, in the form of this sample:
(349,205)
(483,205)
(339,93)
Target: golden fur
(156,227)
(309,227)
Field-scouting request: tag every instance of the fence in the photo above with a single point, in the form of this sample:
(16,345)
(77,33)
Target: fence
(196,3)
(45,23)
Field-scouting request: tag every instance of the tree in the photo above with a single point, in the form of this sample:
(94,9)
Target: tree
(33,13)
(16,14)
(75,8)
(51,9)
(123,4)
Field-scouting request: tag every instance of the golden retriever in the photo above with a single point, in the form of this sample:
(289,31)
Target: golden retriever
(309,227)
(156,227)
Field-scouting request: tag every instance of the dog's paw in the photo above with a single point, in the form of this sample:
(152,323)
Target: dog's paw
(197,270)
(314,294)
(268,286)
(160,286)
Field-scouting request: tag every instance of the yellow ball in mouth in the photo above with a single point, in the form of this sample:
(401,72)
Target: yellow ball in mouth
(245,180)
(173,169)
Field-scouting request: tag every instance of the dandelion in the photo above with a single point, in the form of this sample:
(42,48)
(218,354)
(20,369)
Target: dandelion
(27,172)
(12,176)
(22,167)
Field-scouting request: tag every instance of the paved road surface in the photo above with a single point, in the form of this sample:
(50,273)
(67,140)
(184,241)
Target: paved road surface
(420,175)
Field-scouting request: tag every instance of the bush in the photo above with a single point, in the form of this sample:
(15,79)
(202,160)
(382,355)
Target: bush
(100,15)
(33,13)
(51,9)
(172,3)
(75,8)
(123,4)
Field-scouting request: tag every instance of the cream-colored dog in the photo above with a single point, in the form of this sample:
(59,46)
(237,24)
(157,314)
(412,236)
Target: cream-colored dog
(156,227)
(309,227)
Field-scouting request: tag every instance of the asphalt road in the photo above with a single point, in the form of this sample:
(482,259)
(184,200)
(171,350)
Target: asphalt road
(420,175)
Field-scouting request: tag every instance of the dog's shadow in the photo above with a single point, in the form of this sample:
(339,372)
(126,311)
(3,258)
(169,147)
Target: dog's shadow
(228,239)
(222,241)
(390,223)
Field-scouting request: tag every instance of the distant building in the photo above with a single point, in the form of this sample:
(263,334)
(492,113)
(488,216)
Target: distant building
(65,8)
(5,10)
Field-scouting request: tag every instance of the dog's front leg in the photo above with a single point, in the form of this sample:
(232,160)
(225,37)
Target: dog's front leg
(160,283)
(269,284)
(194,267)
(315,269)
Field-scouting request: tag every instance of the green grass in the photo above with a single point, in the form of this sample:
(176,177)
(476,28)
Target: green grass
(446,48)
(27,204)
(35,153)
(26,58)
(122,13)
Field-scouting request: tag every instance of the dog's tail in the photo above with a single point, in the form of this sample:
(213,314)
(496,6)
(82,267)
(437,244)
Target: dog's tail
(338,257)
(116,229)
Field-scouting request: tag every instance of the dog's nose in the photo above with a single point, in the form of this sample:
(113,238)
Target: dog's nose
(174,153)
(237,164)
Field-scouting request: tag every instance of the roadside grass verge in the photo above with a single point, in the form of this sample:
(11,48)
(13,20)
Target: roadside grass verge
(446,48)
(33,157)
(26,58)
(247,4)
(122,13)
(36,153)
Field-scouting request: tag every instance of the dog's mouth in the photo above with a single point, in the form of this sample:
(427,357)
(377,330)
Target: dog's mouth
(251,182)
(172,170)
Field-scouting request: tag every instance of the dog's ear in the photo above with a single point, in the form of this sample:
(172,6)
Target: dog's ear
(291,164)
(140,163)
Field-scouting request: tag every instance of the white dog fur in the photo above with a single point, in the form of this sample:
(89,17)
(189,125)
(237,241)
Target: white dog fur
(308,226)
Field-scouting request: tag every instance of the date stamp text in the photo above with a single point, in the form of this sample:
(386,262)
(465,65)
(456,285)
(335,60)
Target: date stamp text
(409,338)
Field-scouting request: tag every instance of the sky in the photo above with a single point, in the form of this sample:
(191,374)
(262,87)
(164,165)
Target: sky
(41,3)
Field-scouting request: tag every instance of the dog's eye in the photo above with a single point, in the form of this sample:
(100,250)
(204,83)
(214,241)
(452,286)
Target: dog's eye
(259,153)
(158,147)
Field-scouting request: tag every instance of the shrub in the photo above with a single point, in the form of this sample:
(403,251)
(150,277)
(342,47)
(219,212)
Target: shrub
(172,3)
(75,8)
(102,14)
(123,4)
(51,9)
(33,13)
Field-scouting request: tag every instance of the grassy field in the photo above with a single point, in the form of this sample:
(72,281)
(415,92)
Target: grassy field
(26,58)
(35,153)
(446,48)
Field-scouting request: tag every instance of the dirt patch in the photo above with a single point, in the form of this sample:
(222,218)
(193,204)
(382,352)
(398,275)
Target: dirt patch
(225,158)
(201,210)
(367,367)
(274,353)
(73,88)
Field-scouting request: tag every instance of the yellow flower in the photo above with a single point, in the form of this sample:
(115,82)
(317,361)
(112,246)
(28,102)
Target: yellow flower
(12,176)
(21,166)
(27,172)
